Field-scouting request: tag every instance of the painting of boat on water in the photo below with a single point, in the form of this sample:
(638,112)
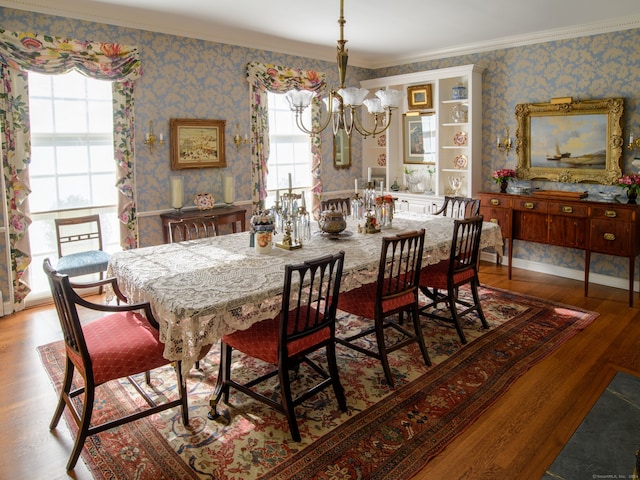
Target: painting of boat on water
(569,141)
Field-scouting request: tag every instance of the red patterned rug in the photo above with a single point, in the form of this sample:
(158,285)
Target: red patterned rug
(386,434)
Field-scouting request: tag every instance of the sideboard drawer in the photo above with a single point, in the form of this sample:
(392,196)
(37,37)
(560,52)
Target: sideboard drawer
(613,212)
(530,205)
(611,237)
(487,200)
(565,208)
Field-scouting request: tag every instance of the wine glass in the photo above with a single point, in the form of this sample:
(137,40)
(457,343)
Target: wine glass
(456,184)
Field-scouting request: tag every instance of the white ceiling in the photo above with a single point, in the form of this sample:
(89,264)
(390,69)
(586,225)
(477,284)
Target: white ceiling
(379,32)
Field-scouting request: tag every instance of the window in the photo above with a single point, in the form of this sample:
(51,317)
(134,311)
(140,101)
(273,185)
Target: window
(289,147)
(72,162)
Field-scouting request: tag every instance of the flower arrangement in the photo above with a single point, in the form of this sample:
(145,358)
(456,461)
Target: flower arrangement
(385,199)
(262,221)
(630,183)
(503,175)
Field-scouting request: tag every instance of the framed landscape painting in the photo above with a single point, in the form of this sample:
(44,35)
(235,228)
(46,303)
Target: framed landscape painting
(197,143)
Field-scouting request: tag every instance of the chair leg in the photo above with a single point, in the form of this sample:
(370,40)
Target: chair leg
(454,315)
(419,336)
(335,378)
(64,393)
(287,401)
(83,427)
(476,300)
(382,349)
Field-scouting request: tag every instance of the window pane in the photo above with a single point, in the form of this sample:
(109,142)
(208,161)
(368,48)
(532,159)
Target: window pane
(70,116)
(41,163)
(74,191)
(41,115)
(72,159)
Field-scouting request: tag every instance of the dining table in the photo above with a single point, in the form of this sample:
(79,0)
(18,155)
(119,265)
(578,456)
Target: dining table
(200,290)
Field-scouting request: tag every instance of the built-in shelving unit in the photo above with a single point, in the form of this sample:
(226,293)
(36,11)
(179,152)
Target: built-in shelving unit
(458,139)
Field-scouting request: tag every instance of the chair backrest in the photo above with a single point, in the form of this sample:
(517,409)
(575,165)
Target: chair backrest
(310,296)
(465,245)
(339,205)
(399,271)
(78,234)
(192,229)
(459,207)
(65,299)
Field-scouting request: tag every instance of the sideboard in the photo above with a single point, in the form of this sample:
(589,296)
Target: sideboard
(610,228)
(232,216)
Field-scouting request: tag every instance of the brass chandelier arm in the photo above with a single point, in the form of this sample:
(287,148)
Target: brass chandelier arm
(357,124)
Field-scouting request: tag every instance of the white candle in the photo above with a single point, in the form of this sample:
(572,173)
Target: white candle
(304,203)
(356,185)
(289,181)
(228,192)
(630,139)
(177,192)
(381,187)
(277,195)
(498,140)
(369,175)
(161,137)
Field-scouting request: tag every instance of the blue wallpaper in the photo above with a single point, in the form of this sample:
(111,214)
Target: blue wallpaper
(187,78)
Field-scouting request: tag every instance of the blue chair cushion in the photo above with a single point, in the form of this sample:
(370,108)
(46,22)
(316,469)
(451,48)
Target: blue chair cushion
(83,263)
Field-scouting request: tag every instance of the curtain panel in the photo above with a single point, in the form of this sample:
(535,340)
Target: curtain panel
(265,78)
(21,52)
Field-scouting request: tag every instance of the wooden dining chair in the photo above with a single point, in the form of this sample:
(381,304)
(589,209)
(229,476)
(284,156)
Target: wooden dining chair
(338,204)
(192,228)
(305,324)
(80,248)
(441,282)
(384,301)
(120,344)
(459,207)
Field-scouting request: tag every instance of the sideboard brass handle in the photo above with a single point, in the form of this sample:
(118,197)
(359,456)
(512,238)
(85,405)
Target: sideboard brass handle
(610,213)
(494,220)
(528,205)
(495,202)
(609,236)
(567,209)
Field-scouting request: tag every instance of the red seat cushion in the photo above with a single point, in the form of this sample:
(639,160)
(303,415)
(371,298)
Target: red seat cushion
(261,339)
(362,301)
(121,344)
(435,276)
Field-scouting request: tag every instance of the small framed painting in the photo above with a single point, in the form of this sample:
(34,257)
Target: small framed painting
(197,143)
(419,97)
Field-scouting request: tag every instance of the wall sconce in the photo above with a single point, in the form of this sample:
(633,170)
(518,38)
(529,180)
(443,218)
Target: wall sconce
(237,138)
(634,144)
(150,138)
(504,144)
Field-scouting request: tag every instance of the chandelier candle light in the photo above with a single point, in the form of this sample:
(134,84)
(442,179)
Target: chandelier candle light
(343,105)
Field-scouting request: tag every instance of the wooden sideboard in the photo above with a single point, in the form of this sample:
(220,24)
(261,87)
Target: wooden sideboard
(230,216)
(609,228)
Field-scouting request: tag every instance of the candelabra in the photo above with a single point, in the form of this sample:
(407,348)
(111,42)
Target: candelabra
(291,218)
(150,138)
(504,144)
(634,144)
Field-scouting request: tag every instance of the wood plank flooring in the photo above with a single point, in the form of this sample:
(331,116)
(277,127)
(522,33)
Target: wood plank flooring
(518,437)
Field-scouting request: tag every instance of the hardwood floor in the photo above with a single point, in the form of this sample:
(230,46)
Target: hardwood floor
(518,437)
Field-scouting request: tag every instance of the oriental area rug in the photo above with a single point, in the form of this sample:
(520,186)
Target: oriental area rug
(385,434)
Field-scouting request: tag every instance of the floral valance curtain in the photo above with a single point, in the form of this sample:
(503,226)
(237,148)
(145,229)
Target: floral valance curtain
(265,78)
(23,52)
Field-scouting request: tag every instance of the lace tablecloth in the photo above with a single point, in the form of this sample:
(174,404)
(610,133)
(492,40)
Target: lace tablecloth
(200,290)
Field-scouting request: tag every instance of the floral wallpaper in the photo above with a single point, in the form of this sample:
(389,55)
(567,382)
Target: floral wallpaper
(189,78)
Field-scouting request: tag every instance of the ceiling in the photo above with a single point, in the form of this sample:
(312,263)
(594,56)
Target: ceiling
(379,32)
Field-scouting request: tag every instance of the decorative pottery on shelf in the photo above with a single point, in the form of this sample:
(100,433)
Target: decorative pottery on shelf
(332,221)
(460,114)
(459,92)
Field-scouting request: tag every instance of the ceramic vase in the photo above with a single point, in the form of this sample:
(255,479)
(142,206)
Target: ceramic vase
(263,241)
(503,186)
(631,196)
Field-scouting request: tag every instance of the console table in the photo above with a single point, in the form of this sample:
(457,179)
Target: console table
(609,228)
(232,216)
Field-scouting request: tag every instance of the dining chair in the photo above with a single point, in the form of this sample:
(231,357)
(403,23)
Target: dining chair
(122,343)
(459,207)
(440,282)
(339,205)
(384,301)
(192,228)
(305,324)
(80,249)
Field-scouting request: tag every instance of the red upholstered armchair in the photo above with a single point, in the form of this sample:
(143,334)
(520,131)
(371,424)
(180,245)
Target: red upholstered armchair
(385,301)
(305,324)
(122,343)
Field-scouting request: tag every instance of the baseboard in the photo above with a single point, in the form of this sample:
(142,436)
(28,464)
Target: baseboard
(606,280)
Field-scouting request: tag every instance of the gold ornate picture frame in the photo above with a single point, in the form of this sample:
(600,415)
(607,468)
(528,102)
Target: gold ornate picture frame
(419,97)
(197,143)
(570,141)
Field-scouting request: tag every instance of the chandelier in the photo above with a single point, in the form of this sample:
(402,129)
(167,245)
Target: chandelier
(343,105)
